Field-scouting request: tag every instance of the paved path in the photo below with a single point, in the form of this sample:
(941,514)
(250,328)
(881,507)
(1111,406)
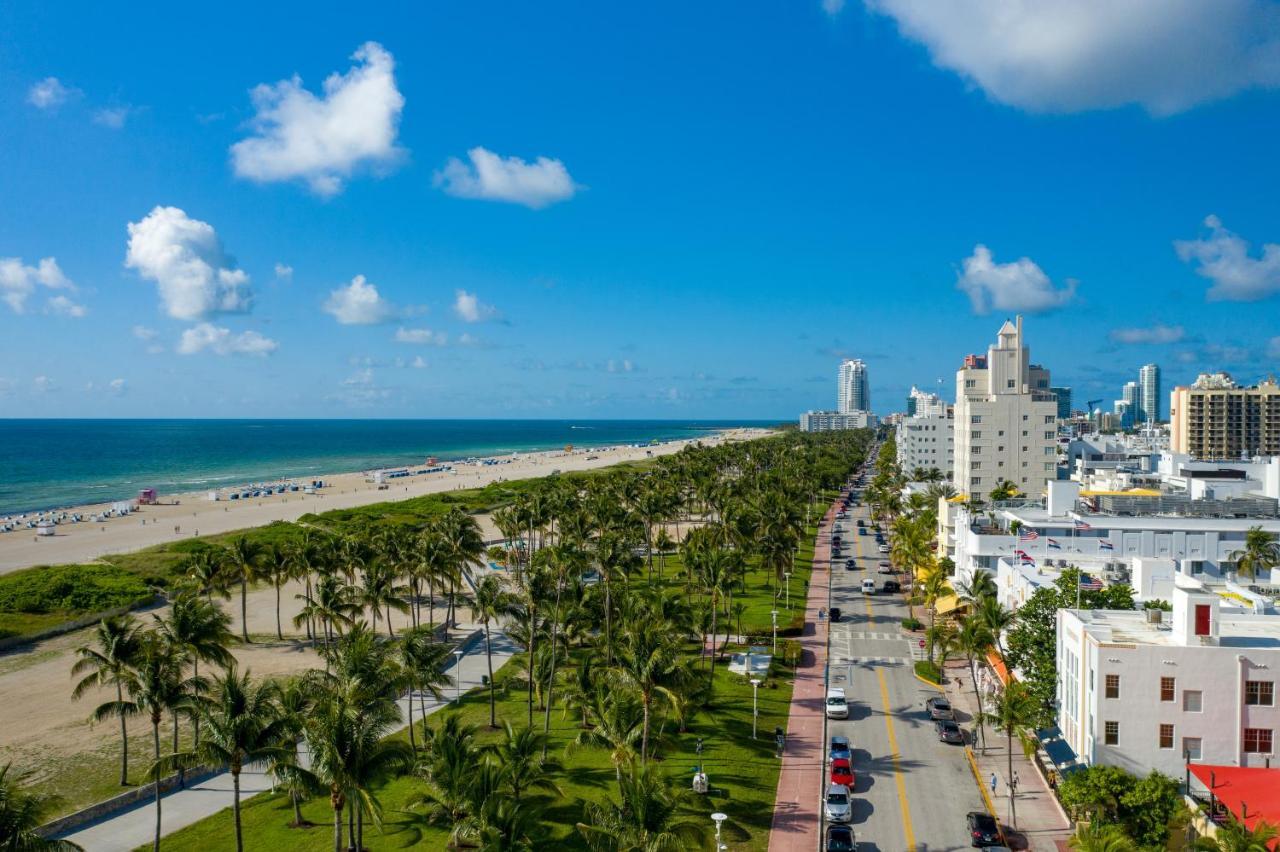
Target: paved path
(796,821)
(136,827)
(1042,826)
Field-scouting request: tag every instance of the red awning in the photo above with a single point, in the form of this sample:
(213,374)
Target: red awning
(1255,787)
(998,666)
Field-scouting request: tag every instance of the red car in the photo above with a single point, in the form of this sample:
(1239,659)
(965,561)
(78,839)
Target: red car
(842,772)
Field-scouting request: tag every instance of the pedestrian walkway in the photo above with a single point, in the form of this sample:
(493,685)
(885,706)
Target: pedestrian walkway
(1041,824)
(136,827)
(796,820)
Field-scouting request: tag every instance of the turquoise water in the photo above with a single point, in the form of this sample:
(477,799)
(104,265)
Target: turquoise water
(51,463)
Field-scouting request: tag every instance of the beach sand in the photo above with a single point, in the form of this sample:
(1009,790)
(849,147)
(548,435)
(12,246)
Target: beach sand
(187,515)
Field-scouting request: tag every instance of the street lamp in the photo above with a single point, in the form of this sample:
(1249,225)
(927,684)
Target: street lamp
(787,576)
(719,818)
(773,613)
(755,705)
(457,676)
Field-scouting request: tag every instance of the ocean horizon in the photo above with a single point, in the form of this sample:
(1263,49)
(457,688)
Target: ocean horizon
(55,463)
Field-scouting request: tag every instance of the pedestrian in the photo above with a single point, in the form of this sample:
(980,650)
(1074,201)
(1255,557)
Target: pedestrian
(993,782)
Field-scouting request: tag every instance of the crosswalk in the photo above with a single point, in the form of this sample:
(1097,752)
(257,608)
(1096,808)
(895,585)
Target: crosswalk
(871,661)
(854,634)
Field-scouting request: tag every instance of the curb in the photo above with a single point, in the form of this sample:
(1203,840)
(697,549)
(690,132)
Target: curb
(928,682)
(977,777)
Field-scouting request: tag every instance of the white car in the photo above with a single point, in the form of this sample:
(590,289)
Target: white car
(884,548)
(837,707)
(838,804)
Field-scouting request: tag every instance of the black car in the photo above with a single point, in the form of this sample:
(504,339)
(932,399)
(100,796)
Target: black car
(860,523)
(983,830)
(851,565)
(891,586)
(949,732)
(835,613)
(840,839)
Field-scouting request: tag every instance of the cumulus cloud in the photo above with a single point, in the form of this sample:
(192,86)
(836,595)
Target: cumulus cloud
(1074,55)
(421,336)
(419,363)
(64,307)
(1224,259)
(359,303)
(284,272)
(1158,333)
(43,384)
(220,341)
(1017,286)
(195,276)
(469,307)
(143,333)
(113,117)
(494,178)
(619,366)
(49,94)
(323,139)
(833,7)
(118,386)
(19,281)
(1273,349)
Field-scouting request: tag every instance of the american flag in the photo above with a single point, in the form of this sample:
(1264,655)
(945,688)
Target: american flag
(1028,535)
(1090,584)
(1081,526)
(1105,545)
(1027,560)
(1053,545)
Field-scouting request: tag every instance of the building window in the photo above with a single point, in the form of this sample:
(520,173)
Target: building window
(971,383)
(1112,686)
(1257,740)
(1048,436)
(1000,449)
(976,481)
(975,418)
(1259,692)
(1024,417)
(1048,418)
(1166,688)
(975,465)
(975,435)
(1192,700)
(1111,733)
(1166,736)
(1191,748)
(1000,434)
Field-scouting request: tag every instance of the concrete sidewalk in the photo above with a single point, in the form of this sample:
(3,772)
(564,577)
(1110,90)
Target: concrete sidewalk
(796,821)
(136,827)
(1042,826)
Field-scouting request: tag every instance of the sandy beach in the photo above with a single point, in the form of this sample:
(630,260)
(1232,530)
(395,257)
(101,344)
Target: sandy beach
(187,515)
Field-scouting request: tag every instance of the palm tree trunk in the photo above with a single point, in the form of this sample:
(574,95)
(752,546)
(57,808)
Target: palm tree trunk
(124,739)
(413,743)
(244,609)
(351,825)
(337,826)
(551,678)
(359,829)
(1013,807)
(977,696)
(608,641)
(279,632)
(297,808)
(532,641)
(181,771)
(195,717)
(155,736)
(644,735)
(711,669)
(235,809)
(488,655)
(310,632)
(390,632)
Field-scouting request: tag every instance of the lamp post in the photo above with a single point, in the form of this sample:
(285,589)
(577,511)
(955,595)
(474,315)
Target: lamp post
(457,676)
(773,613)
(786,575)
(755,705)
(719,818)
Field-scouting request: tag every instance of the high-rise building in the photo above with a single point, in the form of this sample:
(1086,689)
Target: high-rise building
(925,438)
(1005,419)
(1129,405)
(1064,402)
(1149,394)
(853,393)
(1215,419)
(830,421)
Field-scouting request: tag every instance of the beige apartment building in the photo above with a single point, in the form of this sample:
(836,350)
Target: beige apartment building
(1216,419)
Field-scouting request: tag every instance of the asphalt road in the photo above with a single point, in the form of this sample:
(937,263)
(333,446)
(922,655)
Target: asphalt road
(912,792)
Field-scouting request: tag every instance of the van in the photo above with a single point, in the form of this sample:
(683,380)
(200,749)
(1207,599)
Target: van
(837,707)
(868,587)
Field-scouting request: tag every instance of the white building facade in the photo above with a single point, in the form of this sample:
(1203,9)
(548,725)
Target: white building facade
(828,421)
(854,392)
(1149,393)
(927,438)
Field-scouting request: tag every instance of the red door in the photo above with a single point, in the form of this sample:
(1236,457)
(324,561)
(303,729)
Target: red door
(1202,619)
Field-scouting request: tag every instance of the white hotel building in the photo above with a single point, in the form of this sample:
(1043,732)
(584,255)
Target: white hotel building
(926,439)
(1146,690)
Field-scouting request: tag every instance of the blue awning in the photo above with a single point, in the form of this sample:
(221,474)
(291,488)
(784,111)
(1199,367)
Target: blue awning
(1050,733)
(1059,752)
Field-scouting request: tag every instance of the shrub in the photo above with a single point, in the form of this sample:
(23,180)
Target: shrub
(928,671)
(912,624)
(70,589)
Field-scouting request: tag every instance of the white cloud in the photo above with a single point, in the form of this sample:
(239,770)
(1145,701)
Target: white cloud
(358,303)
(220,341)
(1224,259)
(469,307)
(62,306)
(185,258)
(49,94)
(113,117)
(1074,55)
(619,366)
(833,7)
(18,281)
(1273,349)
(118,386)
(284,272)
(421,336)
(143,333)
(420,364)
(43,384)
(1017,286)
(323,140)
(6,386)
(1158,333)
(494,178)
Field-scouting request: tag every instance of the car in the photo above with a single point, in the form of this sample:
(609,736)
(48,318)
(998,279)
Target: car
(884,548)
(862,523)
(835,613)
(983,830)
(939,709)
(891,586)
(840,514)
(862,530)
(840,748)
(837,707)
(840,839)
(868,586)
(842,772)
(838,804)
(885,568)
(949,732)
(851,565)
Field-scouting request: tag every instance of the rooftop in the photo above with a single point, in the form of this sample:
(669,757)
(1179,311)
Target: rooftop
(1235,630)
(1038,517)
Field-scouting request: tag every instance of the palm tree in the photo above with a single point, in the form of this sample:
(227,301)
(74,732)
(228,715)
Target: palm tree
(21,815)
(980,585)
(996,618)
(278,567)
(206,569)
(293,700)
(933,587)
(243,561)
(617,725)
(464,546)
(1235,836)
(651,663)
(1261,552)
(106,664)
(521,754)
(201,631)
(490,603)
(422,662)
(1004,490)
(243,724)
(1097,837)
(649,817)
(1014,714)
(973,640)
(381,591)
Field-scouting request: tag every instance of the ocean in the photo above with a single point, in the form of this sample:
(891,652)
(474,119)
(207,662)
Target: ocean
(47,464)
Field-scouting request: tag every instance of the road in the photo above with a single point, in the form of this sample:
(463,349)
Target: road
(911,791)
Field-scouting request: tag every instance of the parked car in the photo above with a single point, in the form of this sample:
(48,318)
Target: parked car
(868,586)
(885,568)
(949,732)
(842,772)
(838,805)
(884,548)
(840,748)
(862,531)
(891,586)
(837,707)
(851,565)
(840,839)
(939,709)
(862,523)
(835,613)
(983,830)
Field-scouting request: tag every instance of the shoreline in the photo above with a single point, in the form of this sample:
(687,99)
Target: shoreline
(186,515)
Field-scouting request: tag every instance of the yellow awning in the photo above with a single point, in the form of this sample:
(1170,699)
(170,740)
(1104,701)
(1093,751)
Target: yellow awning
(948,604)
(959,498)
(1132,492)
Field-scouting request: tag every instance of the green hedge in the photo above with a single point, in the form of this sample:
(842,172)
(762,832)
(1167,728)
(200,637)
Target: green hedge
(928,671)
(70,589)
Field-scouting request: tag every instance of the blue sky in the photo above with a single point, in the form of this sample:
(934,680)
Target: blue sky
(580,209)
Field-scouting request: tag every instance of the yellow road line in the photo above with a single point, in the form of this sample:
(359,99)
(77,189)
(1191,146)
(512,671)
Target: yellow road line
(907,830)
(977,776)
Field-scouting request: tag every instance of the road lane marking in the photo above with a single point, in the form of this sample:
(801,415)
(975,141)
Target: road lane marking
(907,830)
